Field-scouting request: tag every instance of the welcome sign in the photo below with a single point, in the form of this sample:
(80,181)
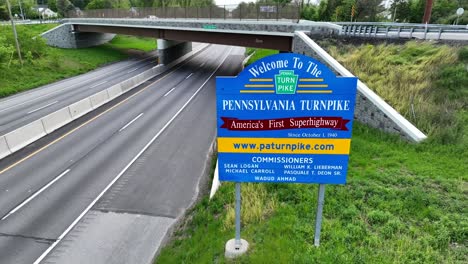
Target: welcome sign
(285,118)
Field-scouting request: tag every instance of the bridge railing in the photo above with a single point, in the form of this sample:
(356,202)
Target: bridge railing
(400,30)
(232,12)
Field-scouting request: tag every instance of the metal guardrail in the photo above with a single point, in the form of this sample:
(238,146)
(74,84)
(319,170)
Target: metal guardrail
(227,12)
(404,30)
(32,21)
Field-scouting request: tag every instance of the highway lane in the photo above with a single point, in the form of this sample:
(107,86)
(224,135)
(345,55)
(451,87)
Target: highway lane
(21,109)
(29,106)
(44,195)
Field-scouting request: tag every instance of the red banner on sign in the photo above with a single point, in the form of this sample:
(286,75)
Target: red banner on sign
(337,123)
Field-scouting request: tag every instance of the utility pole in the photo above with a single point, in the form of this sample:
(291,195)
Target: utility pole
(21,9)
(14,33)
(427,12)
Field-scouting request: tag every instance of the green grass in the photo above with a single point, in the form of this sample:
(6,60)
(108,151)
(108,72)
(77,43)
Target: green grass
(258,54)
(37,29)
(403,203)
(47,64)
(130,42)
(427,83)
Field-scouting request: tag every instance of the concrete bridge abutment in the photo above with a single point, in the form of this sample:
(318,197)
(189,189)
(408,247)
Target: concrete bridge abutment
(170,50)
(64,36)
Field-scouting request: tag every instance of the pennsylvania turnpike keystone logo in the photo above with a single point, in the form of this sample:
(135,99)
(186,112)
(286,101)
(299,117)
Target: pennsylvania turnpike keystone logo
(286,82)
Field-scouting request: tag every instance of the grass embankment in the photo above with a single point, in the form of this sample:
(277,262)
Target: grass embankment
(130,42)
(403,203)
(258,54)
(44,64)
(426,83)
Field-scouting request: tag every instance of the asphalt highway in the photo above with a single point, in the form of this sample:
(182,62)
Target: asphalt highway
(23,108)
(134,164)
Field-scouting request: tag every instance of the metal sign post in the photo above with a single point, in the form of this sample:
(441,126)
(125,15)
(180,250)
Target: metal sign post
(238,243)
(318,217)
(237,246)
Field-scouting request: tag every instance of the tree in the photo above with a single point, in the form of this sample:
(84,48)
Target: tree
(368,10)
(81,4)
(309,12)
(3,13)
(443,9)
(326,9)
(52,5)
(63,6)
(100,4)
(417,10)
(401,10)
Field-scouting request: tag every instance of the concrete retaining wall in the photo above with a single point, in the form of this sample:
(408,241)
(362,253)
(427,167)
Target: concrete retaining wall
(370,108)
(63,36)
(31,132)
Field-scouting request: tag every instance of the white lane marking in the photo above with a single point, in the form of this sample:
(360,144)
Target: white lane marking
(189,76)
(59,90)
(133,70)
(201,65)
(129,123)
(96,85)
(41,257)
(36,194)
(42,107)
(170,91)
(25,102)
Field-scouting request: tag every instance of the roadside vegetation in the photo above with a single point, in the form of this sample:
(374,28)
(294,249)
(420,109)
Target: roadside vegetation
(44,64)
(427,83)
(258,54)
(403,203)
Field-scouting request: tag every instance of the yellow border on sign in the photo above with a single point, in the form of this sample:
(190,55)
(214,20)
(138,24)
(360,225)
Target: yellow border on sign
(315,91)
(311,80)
(259,86)
(312,85)
(261,80)
(284,145)
(257,91)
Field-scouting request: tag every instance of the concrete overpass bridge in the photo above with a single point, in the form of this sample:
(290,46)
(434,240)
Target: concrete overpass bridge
(176,35)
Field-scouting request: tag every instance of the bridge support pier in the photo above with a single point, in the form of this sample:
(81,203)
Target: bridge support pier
(170,50)
(64,36)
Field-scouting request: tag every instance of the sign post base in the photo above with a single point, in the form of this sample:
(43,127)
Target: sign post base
(233,251)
